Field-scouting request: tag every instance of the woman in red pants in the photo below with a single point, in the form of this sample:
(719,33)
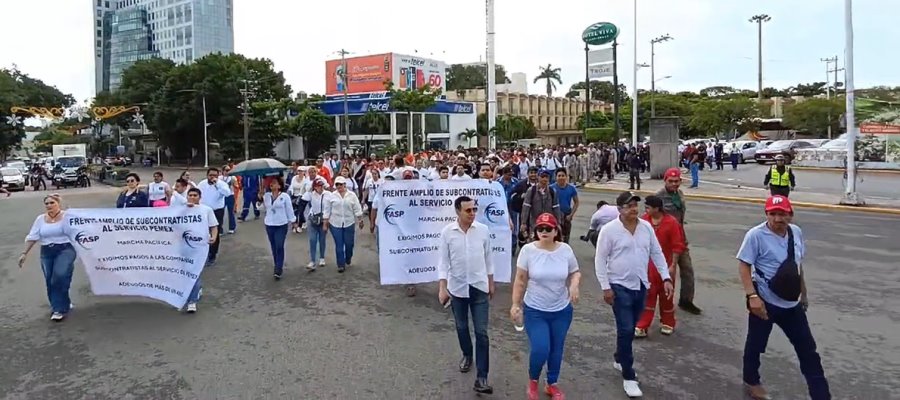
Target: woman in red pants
(671,239)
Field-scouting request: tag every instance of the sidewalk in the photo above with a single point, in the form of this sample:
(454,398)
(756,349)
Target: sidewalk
(729,192)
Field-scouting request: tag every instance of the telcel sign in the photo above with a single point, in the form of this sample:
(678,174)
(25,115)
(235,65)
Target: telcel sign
(600,33)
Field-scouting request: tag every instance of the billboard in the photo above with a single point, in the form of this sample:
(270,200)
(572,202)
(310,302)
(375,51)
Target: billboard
(364,74)
(368,74)
(412,72)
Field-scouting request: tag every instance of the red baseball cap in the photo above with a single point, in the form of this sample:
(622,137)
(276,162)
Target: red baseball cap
(545,219)
(672,173)
(779,202)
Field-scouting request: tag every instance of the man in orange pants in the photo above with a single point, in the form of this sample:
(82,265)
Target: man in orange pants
(668,232)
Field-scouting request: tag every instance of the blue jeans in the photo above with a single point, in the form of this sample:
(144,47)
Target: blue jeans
(316,239)
(547,338)
(795,326)
(277,235)
(194,296)
(695,174)
(515,232)
(343,244)
(249,202)
(477,303)
(229,209)
(58,264)
(627,307)
(300,211)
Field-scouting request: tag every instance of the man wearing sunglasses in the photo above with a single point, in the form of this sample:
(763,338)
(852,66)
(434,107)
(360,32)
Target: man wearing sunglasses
(466,280)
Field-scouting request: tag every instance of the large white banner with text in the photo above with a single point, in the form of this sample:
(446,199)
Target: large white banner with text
(412,214)
(149,252)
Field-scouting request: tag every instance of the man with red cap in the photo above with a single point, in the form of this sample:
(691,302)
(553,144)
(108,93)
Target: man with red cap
(770,263)
(674,205)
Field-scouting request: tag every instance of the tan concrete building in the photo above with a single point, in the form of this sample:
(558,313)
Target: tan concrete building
(554,117)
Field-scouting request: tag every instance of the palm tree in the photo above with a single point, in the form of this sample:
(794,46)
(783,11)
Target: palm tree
(550,74)
(468,134)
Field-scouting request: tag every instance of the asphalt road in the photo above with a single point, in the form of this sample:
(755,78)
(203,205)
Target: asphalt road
(326,335)
(870,184)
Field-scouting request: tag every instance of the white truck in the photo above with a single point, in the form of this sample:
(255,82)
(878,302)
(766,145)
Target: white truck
(70,162)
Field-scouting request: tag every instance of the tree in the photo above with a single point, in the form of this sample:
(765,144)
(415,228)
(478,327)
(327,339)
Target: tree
(514,127)
(19,89)
(598,120)
(812,115)
(468,135)
(724,117)
(551,75)
(316,129)
(410,101)
(600,90)
(806,90)
(462,77)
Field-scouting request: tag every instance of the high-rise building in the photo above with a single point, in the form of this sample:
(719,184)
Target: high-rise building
(179,30)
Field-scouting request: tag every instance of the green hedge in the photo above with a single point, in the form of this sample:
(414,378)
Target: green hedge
(600,135)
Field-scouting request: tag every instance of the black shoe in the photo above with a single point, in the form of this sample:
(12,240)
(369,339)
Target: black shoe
(689,307)
(465,365)
(481,386)
(277,276)
(211,262)
(341,269)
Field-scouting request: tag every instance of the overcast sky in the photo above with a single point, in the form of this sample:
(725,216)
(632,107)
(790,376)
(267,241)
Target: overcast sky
(714,43)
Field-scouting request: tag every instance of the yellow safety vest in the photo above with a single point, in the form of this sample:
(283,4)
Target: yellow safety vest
(776,179)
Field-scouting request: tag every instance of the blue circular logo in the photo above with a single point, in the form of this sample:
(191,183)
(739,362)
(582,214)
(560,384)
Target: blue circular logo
(493,213)
(390,214)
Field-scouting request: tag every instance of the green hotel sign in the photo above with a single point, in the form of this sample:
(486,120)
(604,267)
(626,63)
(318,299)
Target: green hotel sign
(600,33)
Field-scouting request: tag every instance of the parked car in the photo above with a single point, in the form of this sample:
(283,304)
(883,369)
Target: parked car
(787,148)
(13,179)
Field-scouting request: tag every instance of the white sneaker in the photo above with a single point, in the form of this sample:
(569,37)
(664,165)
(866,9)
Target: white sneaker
(632,389)
(321,262)
(199,293)
(57,316)
(311,266)
(192,308)
(231,232)
(303,226)
(617,366)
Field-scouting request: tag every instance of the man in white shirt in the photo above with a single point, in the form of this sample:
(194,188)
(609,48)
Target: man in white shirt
(179,195)
(466,275)
(460,174)
(193,200)
(214,193)
(625,247)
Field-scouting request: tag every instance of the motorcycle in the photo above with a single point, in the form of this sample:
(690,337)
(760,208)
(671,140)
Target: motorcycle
(83,180)
(37,181)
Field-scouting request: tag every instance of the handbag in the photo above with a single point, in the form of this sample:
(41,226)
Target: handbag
(316,219)
(787,282)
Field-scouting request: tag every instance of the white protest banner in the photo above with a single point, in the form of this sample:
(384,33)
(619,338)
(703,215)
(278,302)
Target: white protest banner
(150,252)
(412,214)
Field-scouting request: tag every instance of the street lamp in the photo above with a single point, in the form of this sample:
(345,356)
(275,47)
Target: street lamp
(663,38)
(205,132)
(851,197)
(759,19)
(345,77)
(634,103)
(653,94)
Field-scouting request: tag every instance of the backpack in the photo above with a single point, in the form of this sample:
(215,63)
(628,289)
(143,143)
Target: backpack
(787,282)
(531,198)
(517,198)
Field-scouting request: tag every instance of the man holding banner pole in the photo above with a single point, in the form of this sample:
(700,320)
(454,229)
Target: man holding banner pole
(466,280)
(193,200)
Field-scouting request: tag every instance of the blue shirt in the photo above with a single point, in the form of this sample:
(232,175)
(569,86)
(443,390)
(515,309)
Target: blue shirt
(135,199)
(508,188)
(765,251)
(565,196)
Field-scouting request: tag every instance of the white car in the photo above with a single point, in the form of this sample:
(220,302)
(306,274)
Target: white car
(747,148)
(13,179)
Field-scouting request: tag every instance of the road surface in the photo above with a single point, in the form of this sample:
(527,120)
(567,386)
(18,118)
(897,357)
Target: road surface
(326,335)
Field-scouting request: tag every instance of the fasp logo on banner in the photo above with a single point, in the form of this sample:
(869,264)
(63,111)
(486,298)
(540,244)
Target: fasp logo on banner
(412,215)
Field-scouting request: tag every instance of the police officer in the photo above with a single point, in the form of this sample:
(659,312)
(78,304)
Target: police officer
(780,179)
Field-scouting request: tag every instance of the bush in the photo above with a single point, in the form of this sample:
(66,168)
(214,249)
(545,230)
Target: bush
(600,135)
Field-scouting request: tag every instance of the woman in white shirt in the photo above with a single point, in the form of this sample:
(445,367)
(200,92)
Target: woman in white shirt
(316,199)
(279,214)
(159,191)
(296,189)
(548,276)
(373,181)
(186,175)
(341,210)
(57,255)
(351,184)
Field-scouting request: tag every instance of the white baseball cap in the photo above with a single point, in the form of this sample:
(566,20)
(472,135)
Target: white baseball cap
(340,180)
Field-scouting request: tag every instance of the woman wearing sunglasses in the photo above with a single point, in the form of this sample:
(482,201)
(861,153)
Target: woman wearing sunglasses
(57,255)
(342,212)
(547,277)
(132,196)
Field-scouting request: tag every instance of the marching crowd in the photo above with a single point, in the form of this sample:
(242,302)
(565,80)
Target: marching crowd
(637,257)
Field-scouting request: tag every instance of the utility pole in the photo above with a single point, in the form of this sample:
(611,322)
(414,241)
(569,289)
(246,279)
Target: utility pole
(851,197)
(346,125)
(653,43)
(634,104)
(828,62)
(491,76)
(245,92)
(759,19)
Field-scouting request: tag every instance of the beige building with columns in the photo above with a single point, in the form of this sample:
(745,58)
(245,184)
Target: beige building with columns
(554,117)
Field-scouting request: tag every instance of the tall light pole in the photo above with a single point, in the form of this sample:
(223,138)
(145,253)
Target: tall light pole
(653,92)
(828,62)
(851,197)
(759,19)
(346,125)
(634,104)
(205,126)
(663,38)
(491,75)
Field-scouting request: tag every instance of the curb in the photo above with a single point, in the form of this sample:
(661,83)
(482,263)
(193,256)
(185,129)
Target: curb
(841,170)
(833,207)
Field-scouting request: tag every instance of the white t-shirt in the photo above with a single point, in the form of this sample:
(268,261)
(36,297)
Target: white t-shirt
(157,191)
(47,233)
(208,214)
(178,199)
(464,177)
(547,275)
(371,185)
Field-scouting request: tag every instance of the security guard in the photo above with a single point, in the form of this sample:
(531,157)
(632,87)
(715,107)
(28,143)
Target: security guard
(780,179)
